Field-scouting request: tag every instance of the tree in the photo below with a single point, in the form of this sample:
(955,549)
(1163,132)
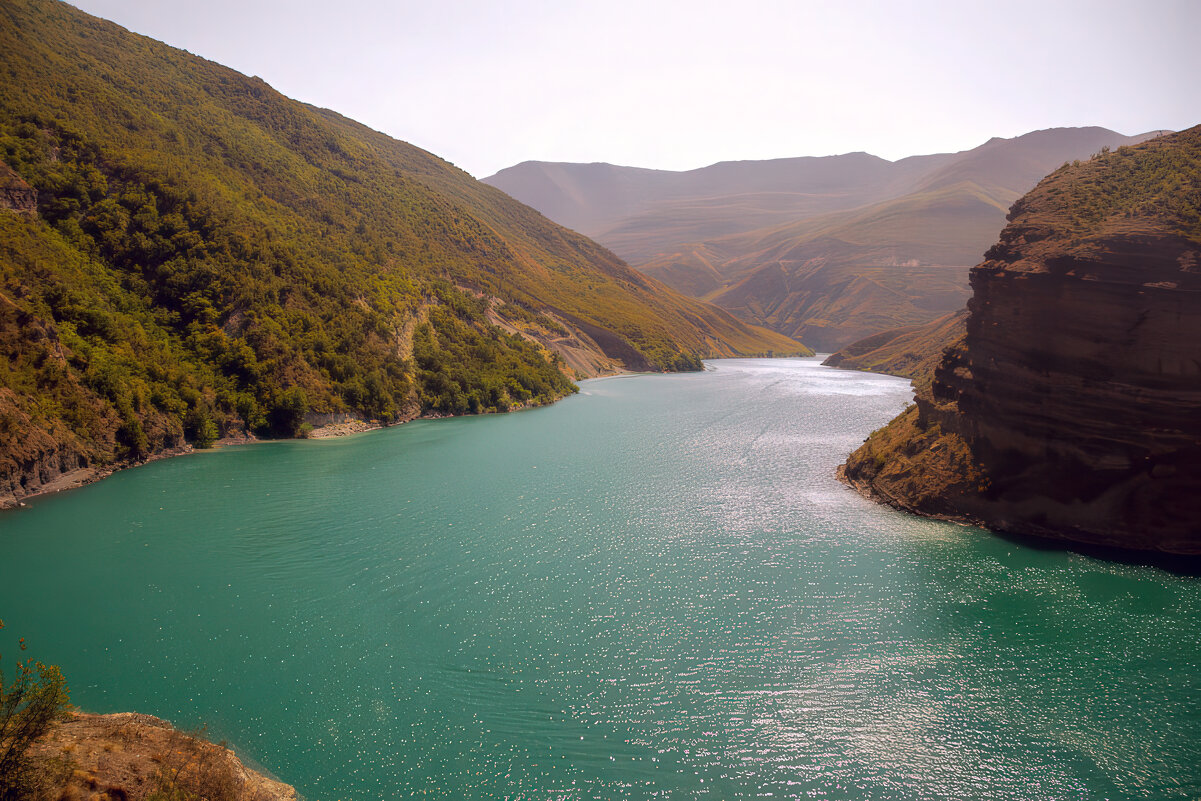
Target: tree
(286,415)
(36,697)
(199,427)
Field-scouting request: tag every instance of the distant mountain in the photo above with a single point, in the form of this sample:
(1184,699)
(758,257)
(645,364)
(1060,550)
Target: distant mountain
(828,250)
(1066,404)
(843,276)
(187,254)
(641,213)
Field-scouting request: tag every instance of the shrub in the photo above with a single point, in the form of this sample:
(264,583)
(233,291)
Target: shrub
(29,704)
(192,769)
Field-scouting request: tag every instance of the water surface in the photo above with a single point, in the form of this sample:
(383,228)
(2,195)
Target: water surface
(655,589)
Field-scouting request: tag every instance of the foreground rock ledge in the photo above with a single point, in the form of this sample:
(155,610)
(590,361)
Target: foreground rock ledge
(121,757)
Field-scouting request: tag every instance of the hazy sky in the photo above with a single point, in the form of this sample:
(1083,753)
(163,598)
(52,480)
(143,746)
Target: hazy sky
(678,85)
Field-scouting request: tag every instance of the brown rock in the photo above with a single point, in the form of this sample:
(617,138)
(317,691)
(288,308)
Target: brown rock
(1077,390)
(127,756)
(15,194)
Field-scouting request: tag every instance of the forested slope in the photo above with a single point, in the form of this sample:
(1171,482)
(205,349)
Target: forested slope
(185,253)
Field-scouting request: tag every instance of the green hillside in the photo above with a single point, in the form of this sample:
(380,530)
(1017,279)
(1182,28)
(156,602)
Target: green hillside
(207,256)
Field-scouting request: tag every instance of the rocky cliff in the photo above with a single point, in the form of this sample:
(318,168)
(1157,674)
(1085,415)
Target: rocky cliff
(1072,407)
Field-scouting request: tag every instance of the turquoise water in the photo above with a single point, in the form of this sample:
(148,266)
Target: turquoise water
(655,589)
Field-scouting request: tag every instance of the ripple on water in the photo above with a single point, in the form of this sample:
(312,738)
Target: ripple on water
(655,589)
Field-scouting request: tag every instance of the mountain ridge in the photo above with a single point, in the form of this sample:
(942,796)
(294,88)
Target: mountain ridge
(822,245)
(757,175)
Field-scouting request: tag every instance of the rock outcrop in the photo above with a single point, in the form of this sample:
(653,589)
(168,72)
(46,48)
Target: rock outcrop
(128,756)
(15,194)
(1072,408)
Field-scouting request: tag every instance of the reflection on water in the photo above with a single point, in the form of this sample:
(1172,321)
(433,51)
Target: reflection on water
(655,589)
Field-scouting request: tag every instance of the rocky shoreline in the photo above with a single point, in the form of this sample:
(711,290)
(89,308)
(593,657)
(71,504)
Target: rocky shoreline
(77,477)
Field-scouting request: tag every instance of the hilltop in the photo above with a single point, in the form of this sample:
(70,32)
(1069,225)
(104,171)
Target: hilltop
(642,213)
(188,255)
(1068,409)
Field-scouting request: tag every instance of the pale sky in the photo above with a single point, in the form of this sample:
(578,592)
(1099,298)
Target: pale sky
(678,85)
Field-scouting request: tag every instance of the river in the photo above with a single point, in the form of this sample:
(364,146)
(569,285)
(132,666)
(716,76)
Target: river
(653,589)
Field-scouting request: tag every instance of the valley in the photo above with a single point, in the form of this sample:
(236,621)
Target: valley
(188,255)
(825,249)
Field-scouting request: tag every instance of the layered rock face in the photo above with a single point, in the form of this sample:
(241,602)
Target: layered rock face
(1075,398)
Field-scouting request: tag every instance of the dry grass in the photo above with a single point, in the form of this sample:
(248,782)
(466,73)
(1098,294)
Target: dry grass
(140,758)
(915,465)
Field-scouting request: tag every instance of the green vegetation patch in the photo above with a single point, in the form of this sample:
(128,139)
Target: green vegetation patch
(1159,179)
(31,701)
(210,258)
(465,369)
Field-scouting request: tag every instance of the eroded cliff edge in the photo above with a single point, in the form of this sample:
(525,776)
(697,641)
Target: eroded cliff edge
(1072,407)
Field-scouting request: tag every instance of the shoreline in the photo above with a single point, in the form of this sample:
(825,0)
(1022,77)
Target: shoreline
(1178,563)
(123,754)
(83,476)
